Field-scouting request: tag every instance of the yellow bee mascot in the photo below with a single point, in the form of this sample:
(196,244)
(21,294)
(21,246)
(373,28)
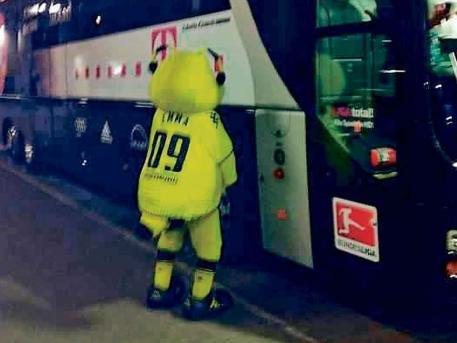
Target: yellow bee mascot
(190,162)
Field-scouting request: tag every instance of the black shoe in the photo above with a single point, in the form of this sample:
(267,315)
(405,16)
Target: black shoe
(214,304)
(165,299)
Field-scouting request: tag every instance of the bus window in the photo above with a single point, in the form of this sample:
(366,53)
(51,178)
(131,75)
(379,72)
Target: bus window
(87,18)
(338,12)
(442,40)
(102,17)
(354,74)
(442,35)
(356,81)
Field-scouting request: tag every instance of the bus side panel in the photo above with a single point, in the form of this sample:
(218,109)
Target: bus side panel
(40,121)
(115,152)
(241,222)
(63,155)
(102,144)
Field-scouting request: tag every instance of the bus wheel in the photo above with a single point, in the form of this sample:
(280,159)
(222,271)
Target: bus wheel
(9,138)
(6,133)
(17,150)
(31,159)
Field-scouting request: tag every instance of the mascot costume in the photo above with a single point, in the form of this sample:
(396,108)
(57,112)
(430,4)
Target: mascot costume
(190,162)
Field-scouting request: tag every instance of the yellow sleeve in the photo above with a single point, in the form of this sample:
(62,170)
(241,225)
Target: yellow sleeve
(228,167)
(221,148)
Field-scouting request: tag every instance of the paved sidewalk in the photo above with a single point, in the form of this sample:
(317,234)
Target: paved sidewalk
(71,271)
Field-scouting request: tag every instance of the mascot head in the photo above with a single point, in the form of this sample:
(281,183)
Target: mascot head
(185,81)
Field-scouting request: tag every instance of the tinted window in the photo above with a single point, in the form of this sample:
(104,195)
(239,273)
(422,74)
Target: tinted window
(93,18)
(96,18)
(442,42)
(357,74)
(340,12)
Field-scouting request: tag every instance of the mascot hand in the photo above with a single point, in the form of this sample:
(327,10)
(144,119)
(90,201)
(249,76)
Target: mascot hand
(224,205)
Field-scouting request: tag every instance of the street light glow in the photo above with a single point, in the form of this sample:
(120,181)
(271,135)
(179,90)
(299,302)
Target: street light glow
(42,7)
(2,35)
(55,8)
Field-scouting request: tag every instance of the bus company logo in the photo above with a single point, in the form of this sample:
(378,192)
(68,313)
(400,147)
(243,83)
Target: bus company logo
(205,23)
(80,124)
(138,138)
(164,36)
(356,229)
(105,136)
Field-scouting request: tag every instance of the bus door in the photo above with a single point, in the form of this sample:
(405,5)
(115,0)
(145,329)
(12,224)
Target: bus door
(358,203)
(346,70)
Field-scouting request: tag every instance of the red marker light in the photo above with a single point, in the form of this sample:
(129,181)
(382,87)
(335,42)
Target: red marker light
(451,269)
(278,174)
(383,157)
(138,69)
(282,214)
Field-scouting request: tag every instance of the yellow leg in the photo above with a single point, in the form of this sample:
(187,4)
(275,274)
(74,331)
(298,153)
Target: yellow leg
(203,279)
(155,224)
(170,242)
(205,233)
(162,274)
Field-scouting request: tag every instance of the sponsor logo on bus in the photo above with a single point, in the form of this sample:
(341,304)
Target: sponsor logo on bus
(352,117)
(353,123)
(105,136)
(346,111)
(356,229)
(164,36)
(138,138)
(80,126)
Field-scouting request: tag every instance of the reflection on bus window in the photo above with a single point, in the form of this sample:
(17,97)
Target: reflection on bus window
(338,12)
(443,36)
(442,39)
(356,82)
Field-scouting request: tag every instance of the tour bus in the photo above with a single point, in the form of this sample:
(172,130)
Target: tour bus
(342,113)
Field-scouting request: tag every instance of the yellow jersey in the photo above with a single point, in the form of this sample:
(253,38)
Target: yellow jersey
(189,163)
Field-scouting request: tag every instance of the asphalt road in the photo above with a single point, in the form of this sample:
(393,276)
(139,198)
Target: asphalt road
(68,274)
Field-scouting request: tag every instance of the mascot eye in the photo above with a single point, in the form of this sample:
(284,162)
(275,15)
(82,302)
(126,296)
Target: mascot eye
(220,78)
(218,61)
(152,67)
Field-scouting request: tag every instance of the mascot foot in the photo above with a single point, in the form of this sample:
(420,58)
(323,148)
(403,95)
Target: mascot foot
(214,304)
(157,299)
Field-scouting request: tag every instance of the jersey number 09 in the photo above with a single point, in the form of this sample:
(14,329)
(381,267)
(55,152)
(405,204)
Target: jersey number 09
(158,146)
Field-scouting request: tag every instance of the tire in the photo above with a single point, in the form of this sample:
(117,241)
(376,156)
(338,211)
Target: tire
(6,132)
(9,138)
(31,158)
(17,149)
